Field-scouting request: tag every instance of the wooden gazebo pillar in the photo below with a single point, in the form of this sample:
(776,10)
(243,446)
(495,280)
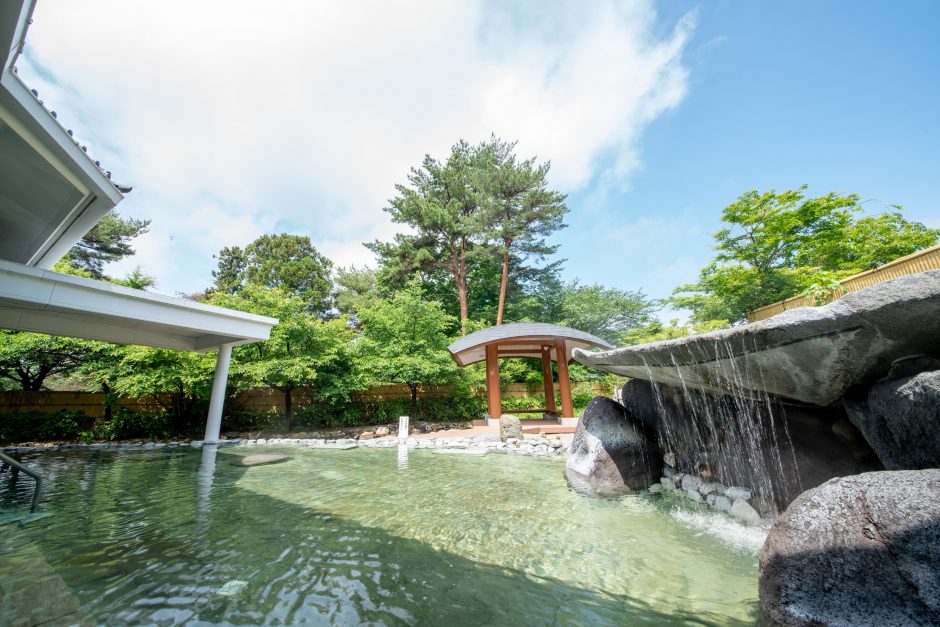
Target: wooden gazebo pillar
(493,402)
(547,378)
(526,340)
(564,383)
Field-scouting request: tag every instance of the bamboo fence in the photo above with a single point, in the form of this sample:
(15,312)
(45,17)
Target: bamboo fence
(921,261)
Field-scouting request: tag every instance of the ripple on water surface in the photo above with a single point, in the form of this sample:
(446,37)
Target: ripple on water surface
(347,537)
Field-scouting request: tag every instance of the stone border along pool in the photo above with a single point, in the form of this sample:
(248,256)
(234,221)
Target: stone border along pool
(533,446)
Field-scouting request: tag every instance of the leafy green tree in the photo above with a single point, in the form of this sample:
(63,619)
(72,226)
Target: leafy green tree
(605,312)
(354,286)
(520,210)
(176,380)
(478,221)
(29,359)
(777,245)
(405,341)
(65,266)
(107,241)
(288,262)
(303,350)
(441,202)
(136,279)
(98,370)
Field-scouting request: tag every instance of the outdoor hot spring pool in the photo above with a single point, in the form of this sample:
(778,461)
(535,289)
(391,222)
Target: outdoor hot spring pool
(174,536)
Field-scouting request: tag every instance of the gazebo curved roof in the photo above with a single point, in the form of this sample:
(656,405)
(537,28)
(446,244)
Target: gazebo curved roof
(525,339)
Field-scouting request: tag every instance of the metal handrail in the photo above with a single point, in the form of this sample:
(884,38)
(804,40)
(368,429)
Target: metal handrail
(6,459)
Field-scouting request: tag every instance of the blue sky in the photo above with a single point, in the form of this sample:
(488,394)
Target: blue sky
(231,120)
(842,96)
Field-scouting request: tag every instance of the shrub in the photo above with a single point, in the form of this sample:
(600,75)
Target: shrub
(244,420)
(125,425)
(36,426)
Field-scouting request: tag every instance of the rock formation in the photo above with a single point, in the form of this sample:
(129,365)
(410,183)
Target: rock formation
(900,418)
(611,452)
(776,450)
(861,550)
(811,354)
(784,404)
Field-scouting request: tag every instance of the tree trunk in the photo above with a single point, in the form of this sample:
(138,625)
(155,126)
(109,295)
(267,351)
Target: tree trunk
(458,268)
(414,400)
(288,406)
(107,400)
(464,315)
(29,382)
(504,281)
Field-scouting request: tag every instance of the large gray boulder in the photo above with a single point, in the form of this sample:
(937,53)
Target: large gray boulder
(860,550)
(810,354)
(900,419)
(611,452)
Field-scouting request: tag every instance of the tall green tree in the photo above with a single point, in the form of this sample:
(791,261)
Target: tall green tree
(776,245)
(405,341)
(441,202)
(303,351)
(287,262)
(479,206)
(108,241)
(520,210)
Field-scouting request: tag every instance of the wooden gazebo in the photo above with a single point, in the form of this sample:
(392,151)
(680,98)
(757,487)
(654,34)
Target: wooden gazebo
(527,340)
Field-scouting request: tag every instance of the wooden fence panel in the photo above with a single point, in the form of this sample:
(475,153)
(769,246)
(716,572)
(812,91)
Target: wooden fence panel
(258,399)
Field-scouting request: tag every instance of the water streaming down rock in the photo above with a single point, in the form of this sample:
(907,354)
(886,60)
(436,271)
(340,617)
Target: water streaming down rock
(724,428)
(737,437)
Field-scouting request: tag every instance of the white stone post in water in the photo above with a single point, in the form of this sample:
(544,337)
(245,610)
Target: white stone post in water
(402,428)
(214,421)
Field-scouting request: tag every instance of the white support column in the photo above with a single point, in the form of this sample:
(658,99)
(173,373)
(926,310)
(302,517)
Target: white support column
(214,421)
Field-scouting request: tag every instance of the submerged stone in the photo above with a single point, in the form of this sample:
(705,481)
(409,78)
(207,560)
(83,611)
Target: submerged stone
(737,492)
(691,483)
(712,488)
(742,509)
(719,501)
(259,460)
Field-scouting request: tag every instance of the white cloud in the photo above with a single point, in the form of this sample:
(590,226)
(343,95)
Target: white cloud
(232,119)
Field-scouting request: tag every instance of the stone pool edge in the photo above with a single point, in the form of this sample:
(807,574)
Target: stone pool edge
(531,446)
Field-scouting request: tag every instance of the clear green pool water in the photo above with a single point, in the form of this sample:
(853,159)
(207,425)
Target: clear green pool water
(174,536)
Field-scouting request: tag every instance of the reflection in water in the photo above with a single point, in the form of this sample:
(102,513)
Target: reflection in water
(402,456)
(204,480)
(339,537)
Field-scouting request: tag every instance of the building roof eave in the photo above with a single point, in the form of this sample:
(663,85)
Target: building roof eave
(42,301)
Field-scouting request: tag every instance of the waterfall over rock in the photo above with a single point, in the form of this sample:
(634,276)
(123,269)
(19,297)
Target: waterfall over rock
(763,405)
